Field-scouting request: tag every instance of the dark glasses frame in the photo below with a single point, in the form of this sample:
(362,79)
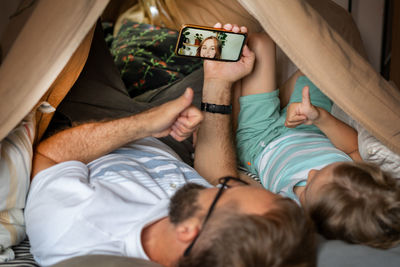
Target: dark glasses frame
(223,182)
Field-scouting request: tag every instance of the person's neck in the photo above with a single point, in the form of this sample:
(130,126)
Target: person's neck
(298,191)
(159,243)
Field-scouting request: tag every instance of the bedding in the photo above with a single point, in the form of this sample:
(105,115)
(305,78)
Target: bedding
(145,56)
(23,256)
(15,168)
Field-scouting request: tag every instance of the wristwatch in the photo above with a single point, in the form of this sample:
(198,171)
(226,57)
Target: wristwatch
(214,108)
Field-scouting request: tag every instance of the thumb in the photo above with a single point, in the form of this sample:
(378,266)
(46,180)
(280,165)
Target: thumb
(185,100)
(247,52)
(306,96)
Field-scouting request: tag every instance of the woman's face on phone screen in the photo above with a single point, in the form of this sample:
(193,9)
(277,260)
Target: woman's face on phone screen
(208,48)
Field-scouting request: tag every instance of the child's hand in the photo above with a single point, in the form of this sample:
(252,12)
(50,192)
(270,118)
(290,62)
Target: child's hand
(302,113)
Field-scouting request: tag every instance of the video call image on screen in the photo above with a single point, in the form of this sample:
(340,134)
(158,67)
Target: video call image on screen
(211,44)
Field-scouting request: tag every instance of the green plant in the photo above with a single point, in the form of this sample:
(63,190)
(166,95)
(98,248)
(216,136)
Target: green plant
(199,36)
(186,34)
(222,38)
(185,38)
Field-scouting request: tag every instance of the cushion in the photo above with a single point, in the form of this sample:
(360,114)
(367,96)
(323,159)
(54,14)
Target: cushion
(371,149)
(106,261)
(144,54)
(335,253)
(23,256)
(15,169)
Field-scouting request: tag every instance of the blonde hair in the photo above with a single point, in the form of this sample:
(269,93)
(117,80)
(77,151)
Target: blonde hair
(361,205)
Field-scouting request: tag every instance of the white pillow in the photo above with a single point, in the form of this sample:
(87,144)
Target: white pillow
(371,149)
(15,169)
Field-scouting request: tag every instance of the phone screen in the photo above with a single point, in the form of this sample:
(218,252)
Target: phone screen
(209,43)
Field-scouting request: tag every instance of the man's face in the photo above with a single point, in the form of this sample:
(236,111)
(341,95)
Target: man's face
(193,198)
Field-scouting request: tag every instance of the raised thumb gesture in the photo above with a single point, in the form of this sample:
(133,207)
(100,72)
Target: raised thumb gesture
(177,118)
(301,113)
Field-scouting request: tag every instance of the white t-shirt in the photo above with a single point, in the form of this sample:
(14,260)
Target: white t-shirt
(101,208)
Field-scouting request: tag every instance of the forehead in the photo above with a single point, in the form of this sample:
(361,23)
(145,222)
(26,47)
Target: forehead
(325,174)
(249,199)
(320,179)
(210,42)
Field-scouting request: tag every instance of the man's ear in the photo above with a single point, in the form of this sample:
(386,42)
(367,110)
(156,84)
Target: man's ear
(187,230)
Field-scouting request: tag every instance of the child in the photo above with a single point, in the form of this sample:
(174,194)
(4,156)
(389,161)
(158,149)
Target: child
(305,153)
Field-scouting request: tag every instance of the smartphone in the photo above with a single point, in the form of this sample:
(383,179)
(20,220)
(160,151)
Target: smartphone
(209,43)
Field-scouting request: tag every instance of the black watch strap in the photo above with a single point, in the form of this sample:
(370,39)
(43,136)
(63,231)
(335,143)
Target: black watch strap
(213,108)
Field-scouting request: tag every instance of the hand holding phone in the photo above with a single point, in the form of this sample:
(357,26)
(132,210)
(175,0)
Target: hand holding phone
(210,43)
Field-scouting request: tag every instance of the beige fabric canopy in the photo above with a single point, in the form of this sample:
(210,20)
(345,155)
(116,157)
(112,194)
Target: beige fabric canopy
(40,52)
(56,28)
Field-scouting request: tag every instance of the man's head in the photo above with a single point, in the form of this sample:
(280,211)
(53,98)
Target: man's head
(355,202)
(249,226)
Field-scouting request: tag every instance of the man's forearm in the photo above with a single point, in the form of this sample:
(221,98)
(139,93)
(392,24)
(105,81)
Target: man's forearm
(215,153)
(92,140)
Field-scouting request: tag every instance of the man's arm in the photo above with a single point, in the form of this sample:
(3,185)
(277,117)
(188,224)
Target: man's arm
(89,141)
(339,133)
(215,154)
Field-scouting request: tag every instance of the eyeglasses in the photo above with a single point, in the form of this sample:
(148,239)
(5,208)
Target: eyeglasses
(223,182)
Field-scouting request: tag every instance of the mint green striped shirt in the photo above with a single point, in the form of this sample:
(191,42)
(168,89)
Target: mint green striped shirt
(286,161)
